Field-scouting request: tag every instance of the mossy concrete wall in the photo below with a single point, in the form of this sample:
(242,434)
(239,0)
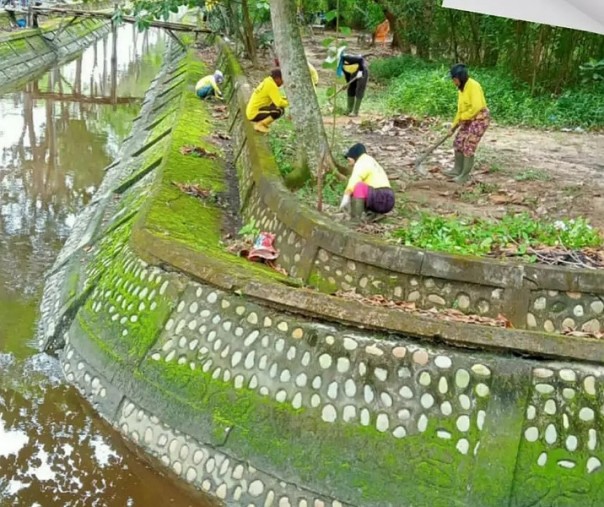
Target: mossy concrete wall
(27,52)
(189,352)
(331,257)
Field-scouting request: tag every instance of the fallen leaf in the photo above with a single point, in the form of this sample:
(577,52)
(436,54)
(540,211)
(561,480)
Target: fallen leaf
(500,199)
(198,151)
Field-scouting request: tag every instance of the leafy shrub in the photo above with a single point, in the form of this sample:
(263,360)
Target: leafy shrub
(333,190)
(480,237)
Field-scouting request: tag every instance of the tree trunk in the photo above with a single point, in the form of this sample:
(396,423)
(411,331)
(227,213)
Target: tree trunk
(305,112)
(248,32)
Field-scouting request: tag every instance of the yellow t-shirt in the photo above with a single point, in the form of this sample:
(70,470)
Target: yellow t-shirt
(314,75)
(265,94)
(352,68)
(367,170)
(209,81)
(470,101)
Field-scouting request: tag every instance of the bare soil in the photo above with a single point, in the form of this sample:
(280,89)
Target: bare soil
(549,174)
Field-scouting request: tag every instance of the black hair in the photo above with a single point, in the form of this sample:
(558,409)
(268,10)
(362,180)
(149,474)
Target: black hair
(276,74)
(355,151)
(460,71)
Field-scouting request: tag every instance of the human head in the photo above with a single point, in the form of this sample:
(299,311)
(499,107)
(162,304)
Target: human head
(277,77)
(219,77)
(459,75)
(354,152)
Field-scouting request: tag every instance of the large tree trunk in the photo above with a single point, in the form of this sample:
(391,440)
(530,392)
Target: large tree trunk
(248,32)
(305,112)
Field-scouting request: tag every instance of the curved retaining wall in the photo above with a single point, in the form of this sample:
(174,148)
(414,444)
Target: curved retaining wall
(331,257)
(190,353)
(27,52)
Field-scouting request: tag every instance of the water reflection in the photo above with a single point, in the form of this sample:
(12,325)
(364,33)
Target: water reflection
(57,134)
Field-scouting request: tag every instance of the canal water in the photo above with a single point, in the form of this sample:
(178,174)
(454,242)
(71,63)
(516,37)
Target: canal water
(57,133)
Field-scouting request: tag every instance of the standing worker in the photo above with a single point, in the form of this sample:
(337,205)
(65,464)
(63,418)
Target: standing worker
(368,187)
(266,103)
(208,86)
(355,71)
(471,121)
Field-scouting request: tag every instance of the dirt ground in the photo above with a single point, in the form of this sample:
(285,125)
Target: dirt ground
(548,174)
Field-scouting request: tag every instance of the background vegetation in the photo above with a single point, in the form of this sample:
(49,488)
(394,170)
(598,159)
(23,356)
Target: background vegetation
(419,87)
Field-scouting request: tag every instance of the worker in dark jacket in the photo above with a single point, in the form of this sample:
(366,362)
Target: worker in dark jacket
(355,71)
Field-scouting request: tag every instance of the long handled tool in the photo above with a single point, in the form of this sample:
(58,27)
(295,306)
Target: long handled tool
(419,160)
(343,87)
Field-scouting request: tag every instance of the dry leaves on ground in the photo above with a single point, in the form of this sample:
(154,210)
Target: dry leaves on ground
(447,314)
(583,334)
(586,258)
(204,194)
(197,151)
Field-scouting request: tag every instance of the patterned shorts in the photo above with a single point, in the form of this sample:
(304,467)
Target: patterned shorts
(470,133)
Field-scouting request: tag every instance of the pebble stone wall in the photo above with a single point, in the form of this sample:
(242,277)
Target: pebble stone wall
(255,406)
(442,400)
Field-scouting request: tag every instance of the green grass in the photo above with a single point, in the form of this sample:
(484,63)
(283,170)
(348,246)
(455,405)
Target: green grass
(480,237)
(532,175)
(416,87)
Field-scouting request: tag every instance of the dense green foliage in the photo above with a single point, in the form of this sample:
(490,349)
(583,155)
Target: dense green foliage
(545,57)
(419,87)
(480,237)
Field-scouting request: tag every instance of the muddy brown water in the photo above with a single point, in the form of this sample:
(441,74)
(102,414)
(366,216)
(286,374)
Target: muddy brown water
(57,133)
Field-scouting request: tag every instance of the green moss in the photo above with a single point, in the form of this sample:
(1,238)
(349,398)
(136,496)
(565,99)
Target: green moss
(117,288)
(322,284)
(181,217)
(367,466)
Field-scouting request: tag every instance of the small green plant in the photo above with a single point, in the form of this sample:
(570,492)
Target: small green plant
(495,167)
(532,175)
(333,190)
(480,237)
(249,231)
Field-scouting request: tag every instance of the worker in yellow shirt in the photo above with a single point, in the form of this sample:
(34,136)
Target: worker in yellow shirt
(314,75)
(471,122)
(266,103)
(208,86)
(368,187)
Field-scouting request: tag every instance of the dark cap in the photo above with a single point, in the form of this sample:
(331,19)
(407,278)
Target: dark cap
(355,151)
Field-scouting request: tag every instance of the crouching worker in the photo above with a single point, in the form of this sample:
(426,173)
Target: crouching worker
(208,86)
(368,188)
(266,103)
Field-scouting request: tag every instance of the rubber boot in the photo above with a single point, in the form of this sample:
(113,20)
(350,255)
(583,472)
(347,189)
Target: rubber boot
(468,164)
(357,207)
(350,106)
(356,107)
(457,168)
(263,125)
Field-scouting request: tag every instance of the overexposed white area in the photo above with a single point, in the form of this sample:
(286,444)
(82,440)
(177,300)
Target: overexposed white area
(11,441)
(103,452)
(586,15)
